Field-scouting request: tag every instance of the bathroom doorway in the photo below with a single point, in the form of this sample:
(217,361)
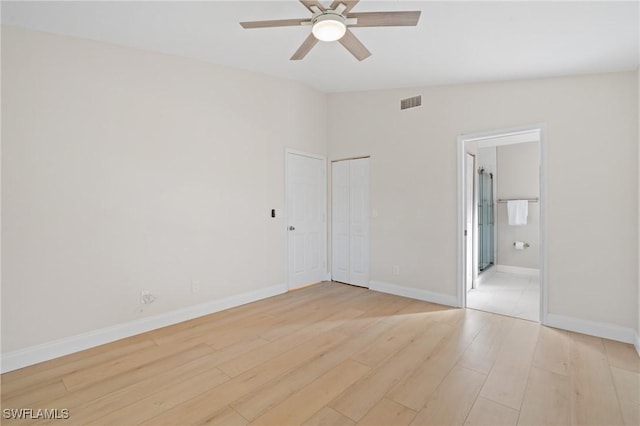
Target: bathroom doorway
(507,241)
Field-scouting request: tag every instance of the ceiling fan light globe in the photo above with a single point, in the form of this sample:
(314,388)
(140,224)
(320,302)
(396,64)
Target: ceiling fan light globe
(329,29)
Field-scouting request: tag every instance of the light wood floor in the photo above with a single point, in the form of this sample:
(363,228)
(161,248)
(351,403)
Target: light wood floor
(332,354)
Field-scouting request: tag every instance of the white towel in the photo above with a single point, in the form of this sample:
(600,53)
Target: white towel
(518,210)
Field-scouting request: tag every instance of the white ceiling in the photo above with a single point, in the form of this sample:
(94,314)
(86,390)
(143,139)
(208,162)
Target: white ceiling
(454,42)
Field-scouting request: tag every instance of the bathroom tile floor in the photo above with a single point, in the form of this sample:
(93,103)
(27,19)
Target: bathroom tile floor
(507,294)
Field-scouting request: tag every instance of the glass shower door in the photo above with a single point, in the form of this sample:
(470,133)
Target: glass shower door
(485,220)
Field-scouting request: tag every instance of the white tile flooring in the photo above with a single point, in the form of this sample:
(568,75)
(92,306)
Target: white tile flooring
(507,294)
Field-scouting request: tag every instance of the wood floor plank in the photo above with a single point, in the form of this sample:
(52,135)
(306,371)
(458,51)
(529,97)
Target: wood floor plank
(385,308)
(238,331)
(226,417)
(240,348)
(319,295)
(387,412)
(149,376)
(231,315)
(414,390)
(552,351)
(86,407)
(242,316)
(300,406)
(507,381)
(37,395)
(453,399)
(308,314)
(593,395)
(546,399)
(362,396)
(285,316)
(488,413)
(409,325)
(250,360)
(97,353)
(627,384)
(622,355)
(96,373)
(388,304)
(209,332)
(278,323)
(27,381)
(180,390)
(483,352)
(202,407)
(256,403)
(329,417)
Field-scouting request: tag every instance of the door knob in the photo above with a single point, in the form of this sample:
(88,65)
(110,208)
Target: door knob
(292,228)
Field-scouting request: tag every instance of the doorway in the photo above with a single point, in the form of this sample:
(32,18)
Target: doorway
(306,225)
(350,221)
(508,259)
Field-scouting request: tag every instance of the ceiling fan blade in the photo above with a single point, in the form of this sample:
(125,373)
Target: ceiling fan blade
(305,47)
(348,3)
(355,46)
(386,19)
(309,3)
(275,23)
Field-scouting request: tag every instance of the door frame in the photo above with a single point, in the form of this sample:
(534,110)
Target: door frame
(474,249)
(287,152)
(544,261)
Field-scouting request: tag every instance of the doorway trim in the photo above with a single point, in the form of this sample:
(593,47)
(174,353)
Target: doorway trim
(470,245)
(461,266)
(289,151)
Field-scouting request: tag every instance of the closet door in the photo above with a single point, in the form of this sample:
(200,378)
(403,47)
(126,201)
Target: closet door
(340,202)
(350,222)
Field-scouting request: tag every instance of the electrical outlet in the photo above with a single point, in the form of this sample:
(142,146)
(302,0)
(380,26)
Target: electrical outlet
(396,269)
(195,286)
(146,298)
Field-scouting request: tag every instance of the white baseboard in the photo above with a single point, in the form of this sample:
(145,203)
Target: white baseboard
(592,328)
(46,351)
(636,343)
(414,293)
(517,270)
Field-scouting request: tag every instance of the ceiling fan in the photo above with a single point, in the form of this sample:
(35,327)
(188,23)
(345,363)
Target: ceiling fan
(330,24)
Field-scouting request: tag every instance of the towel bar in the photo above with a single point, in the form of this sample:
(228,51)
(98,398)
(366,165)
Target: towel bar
(531,200)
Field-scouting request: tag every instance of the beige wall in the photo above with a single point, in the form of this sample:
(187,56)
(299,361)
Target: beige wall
(125,170)
(517,176)
(592,152)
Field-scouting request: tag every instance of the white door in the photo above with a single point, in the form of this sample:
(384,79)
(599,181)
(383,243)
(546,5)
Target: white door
(469,174)
(306,219)
(340,219)
(350,222)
